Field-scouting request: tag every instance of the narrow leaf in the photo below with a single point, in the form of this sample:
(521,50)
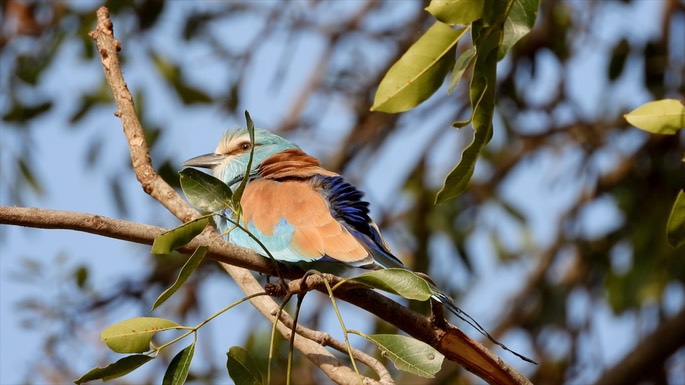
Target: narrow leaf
(660,117)
(460,67)
(134,335)
(189,95)
(518,24)
(177,372)
(115,370)
(486,35)
(188,268)
(459,177)
(456,11)
(462,123)
(239,191)
(166,242)
(397,281)
(204,191)
(409,354)
(420,71)
(242,367)
(675,229)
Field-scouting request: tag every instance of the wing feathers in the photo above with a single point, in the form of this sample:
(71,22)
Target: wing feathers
(315,232)
(292,163)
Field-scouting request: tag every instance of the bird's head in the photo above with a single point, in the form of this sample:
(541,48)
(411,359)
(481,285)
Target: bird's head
(229,161)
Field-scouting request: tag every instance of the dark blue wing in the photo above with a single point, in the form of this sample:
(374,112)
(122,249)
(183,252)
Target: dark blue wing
(348,207)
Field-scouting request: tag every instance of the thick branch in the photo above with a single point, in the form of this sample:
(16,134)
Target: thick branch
(450,341)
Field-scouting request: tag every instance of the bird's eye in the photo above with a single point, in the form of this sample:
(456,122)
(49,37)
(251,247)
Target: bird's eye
(245,146)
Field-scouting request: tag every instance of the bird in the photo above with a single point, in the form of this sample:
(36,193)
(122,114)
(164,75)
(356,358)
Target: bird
(302,213)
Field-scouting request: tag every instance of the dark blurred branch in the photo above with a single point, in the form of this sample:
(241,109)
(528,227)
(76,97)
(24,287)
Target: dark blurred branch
(649,355)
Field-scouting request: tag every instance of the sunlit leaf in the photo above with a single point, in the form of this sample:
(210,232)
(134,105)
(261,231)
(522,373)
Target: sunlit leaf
(519,22)
(420,71)
(456,11)
(188,268)
(676,222)
(397,281)
(177,372)
(242,367)
(205,192)
(408,354)
(660,117)
(166,242)
(115,370)
(134,335)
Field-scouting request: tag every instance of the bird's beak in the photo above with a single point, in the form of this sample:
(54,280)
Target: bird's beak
(210,161)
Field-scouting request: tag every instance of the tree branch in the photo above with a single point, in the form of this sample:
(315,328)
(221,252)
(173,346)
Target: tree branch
(156,187)
(450,341)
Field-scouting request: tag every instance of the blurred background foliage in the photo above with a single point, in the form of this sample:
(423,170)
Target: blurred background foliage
(564,218)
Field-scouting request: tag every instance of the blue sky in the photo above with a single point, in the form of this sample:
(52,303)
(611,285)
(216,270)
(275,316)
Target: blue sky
(59,151)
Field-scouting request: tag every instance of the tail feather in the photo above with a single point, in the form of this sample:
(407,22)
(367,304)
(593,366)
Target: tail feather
(448,303)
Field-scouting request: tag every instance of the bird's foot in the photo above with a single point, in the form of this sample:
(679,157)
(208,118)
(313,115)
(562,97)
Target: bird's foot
(279,289)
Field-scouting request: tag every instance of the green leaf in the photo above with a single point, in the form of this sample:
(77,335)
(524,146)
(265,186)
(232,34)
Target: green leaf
(189,94)
(486,36)
(239,191)
(408,354)
(188,268)
(459,177)
(115,370)
(456,11)
(460,67)
(167,241)
(420,71)
(619,56)
(520,21)
(397,281)
(177,372)
(660,117)
(21,113)
(173,75)
(242,367)
(28,176)
(675,229)
(134,335)
(81,276)
(205,192)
